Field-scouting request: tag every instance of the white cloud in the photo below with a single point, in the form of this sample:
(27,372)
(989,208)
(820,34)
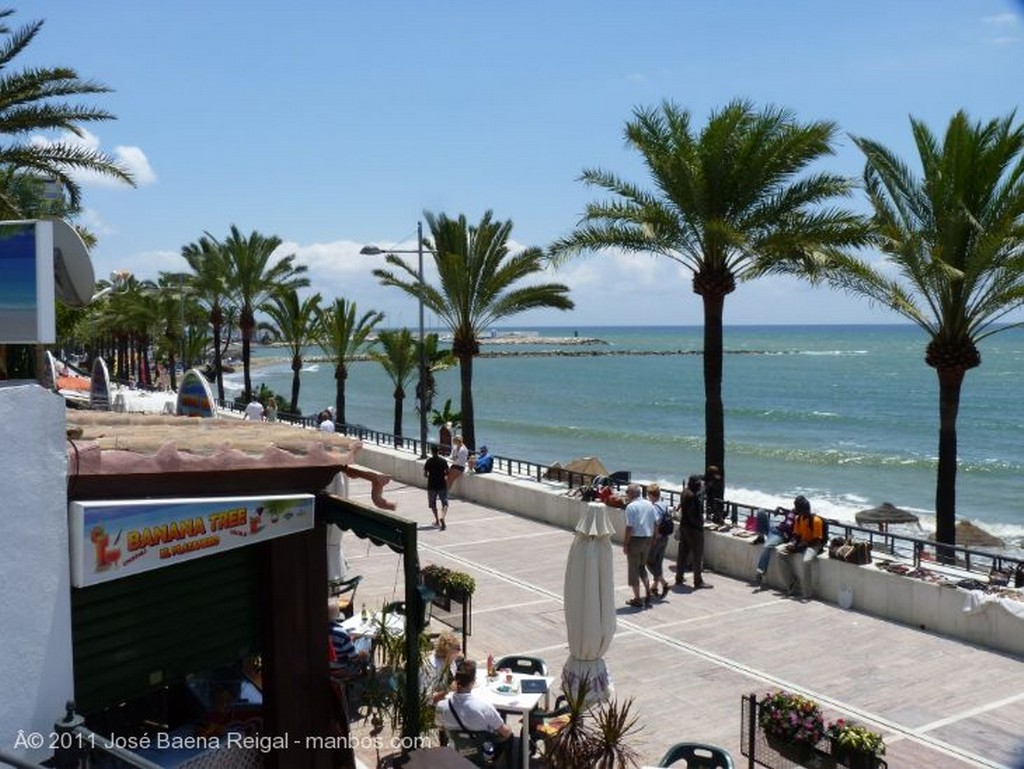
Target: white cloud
(132,158)
(135,160)
(1002,19)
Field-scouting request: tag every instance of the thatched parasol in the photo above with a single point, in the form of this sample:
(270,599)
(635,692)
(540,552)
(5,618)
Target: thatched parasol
(581,466)
(968,535)
(884,514)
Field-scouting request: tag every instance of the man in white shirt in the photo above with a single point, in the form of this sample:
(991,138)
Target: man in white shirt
(463,710)
(641,518)
(254,411)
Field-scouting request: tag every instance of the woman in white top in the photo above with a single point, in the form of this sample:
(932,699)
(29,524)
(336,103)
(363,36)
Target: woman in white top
(457,461)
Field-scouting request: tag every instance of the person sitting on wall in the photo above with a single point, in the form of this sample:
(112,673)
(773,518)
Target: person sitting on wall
(484,462)
(797,556)
(774,535)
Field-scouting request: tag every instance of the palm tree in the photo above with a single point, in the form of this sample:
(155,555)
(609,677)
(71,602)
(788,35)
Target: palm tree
(253,277)
(30,103)
(728,204)
(295,324)
(397,353)
(436,360)
(481,283)
(208,284)
(342,337)
(954,237)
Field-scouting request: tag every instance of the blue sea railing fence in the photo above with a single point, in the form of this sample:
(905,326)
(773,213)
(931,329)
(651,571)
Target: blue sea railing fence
(918,550)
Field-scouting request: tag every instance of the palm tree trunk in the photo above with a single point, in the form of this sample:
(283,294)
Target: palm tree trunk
(714,411)
(950,381)
(340,375)
(247,327)
(296,368)
(217,361)
(466,379)
(399,398)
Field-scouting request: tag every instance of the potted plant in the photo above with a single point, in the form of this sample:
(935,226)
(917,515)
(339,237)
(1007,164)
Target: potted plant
(855,746)
(447,582)
(595,735)
(792,724)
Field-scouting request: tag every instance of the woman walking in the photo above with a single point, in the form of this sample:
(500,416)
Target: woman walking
(662,531)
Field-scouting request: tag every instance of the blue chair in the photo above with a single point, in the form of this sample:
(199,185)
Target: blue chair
(697,756)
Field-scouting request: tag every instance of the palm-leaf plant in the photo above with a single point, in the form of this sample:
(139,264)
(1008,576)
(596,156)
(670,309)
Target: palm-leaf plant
(395,351)
(952,235)
(342,336)
(733,201)
(254,275)
(294,322)
(480,282)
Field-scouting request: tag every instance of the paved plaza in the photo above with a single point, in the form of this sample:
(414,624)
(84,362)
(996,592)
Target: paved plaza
(689,660)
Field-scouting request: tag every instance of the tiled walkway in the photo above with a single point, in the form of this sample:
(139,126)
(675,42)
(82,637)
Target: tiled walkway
(689,660)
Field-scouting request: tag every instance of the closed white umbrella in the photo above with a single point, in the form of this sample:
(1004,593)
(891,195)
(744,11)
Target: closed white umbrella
(590,603)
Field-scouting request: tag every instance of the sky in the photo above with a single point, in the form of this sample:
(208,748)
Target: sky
(334,125)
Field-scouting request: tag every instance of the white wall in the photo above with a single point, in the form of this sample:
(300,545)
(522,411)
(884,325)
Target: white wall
(35,601)
(878,593)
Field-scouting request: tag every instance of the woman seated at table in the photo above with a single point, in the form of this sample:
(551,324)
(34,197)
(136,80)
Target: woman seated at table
(439,671)
(463,710)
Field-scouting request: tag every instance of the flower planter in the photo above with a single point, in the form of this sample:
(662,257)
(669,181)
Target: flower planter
(853,759)
(797,752)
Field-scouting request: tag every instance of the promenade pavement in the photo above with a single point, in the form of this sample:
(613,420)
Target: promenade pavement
(688,661)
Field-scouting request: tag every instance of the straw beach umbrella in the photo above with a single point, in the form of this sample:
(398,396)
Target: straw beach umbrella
(884,514)
(969,535)
(590,604)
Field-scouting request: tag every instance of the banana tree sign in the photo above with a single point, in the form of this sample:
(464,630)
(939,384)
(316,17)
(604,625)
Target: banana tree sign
(115,539)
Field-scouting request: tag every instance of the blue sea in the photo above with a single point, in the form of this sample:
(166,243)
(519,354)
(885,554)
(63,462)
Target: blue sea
(846,415)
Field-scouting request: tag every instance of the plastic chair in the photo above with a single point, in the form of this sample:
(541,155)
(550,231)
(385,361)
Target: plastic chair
(345,591)
(698,756)
(470,745)
(529,666)
(544,725)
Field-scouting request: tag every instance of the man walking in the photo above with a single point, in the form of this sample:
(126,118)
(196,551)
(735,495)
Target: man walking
(435,469)
(641,518)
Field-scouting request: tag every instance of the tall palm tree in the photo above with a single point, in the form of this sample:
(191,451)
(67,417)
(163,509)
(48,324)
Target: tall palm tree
(208,284)
(396,351)
(954,237)
(480,283)
(342,337)
(31,103)
(729,203)
(294,323)
(253,276)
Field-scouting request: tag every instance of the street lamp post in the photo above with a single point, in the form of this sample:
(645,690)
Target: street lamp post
(422,388)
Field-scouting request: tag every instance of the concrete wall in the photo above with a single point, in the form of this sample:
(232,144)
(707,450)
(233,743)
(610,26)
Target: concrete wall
(906,600)
(35,601)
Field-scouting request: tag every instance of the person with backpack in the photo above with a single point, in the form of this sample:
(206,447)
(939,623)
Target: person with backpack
(662,531)
(774,535)
(798,555)
(691,534)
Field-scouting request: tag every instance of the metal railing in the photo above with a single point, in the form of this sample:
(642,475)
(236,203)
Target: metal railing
(918,550)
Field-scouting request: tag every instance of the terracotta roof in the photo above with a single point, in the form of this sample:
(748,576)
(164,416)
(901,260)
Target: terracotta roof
(175,451)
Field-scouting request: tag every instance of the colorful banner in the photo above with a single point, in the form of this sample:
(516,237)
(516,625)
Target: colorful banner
(194,396)
(111,540)
(99,386)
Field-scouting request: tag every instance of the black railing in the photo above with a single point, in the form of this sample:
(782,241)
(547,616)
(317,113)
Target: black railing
(918,550)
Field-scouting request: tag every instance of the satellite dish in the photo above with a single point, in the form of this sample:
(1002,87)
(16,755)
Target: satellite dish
(74,278)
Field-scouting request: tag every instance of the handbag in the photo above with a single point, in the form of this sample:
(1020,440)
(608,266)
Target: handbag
(485,747)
